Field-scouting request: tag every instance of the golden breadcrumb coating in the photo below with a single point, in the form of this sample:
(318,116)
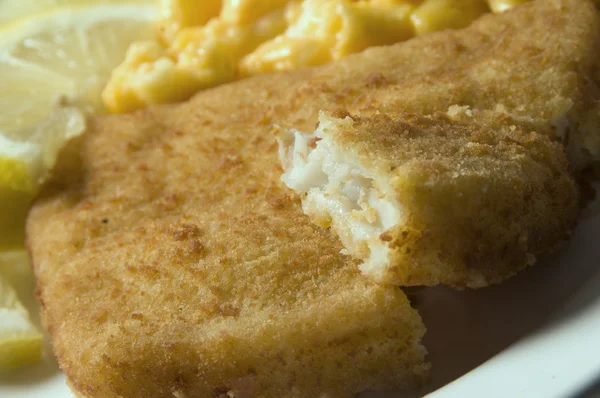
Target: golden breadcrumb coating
(428,200)
(176,227)
(176,263)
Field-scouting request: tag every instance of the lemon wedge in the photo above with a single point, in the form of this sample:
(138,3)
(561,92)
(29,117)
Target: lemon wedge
(54,64)
(20,341)
(17,187)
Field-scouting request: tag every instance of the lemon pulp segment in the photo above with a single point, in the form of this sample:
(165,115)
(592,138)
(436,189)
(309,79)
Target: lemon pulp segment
(20,341)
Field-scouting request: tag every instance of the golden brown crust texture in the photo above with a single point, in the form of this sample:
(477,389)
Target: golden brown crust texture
(176,263)
(479,202)
(176,224)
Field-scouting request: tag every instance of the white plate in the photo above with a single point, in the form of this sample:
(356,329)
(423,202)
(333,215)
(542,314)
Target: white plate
(466,329)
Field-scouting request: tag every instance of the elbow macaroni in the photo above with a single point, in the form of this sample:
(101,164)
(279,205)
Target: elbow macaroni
(342,28)
(203,44)
(503,5)
(434,15)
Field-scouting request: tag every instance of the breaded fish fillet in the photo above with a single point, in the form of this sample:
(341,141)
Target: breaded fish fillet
(171,260)
(177,265)
(427,200)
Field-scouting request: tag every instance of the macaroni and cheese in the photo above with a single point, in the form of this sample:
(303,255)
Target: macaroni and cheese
(204,44)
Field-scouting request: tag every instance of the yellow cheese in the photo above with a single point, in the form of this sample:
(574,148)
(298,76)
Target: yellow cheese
(203,44)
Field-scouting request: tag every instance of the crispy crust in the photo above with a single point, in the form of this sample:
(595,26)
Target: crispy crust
(137,305)
(479,203)
(175,263)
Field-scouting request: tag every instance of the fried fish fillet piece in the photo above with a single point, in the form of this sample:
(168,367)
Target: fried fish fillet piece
(426,199)
(439,225)
(175,264)
(171,260)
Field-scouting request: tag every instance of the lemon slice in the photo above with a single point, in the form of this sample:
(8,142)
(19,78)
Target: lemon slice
(54,65)
(11,10)
(20,341)
(64,55)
